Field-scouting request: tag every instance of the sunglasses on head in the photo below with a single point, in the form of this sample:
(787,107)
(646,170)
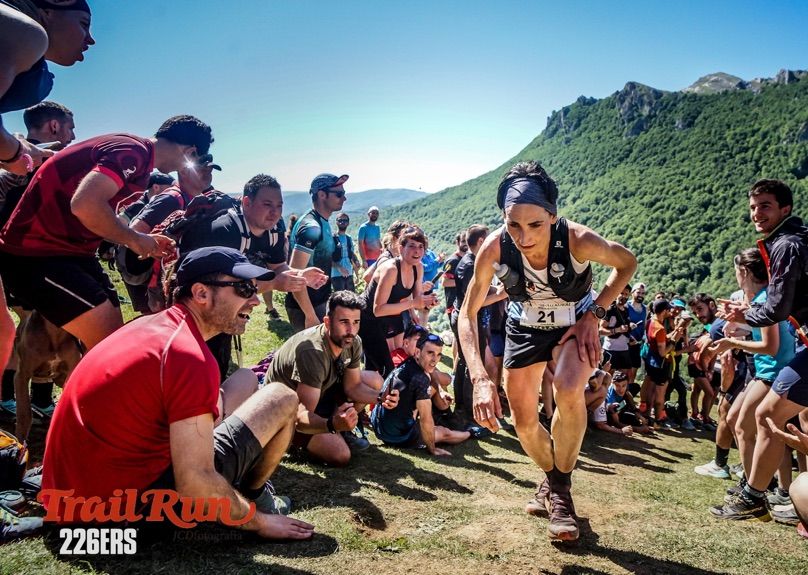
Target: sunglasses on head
(431,338)
(243,288)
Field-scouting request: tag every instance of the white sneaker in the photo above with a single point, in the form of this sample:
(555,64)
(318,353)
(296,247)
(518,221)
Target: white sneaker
(713,470)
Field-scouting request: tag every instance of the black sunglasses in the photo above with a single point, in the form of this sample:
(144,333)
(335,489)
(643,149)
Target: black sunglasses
(243,288)
(338,193)
(342,221)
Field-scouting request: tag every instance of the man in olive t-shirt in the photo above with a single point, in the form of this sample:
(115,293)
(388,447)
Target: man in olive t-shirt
(321,364)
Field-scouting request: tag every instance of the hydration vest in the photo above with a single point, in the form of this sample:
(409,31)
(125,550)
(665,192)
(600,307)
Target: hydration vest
(561,276)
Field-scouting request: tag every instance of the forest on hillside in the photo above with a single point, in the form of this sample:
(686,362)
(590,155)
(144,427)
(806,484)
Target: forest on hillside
(665,173)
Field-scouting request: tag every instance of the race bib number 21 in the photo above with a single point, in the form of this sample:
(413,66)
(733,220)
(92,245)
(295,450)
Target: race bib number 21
(547,316)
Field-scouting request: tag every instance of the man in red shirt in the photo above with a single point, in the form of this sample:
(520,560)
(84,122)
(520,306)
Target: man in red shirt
(47,248)
(149,418)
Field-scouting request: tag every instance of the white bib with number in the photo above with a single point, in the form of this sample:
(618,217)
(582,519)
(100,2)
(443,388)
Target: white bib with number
(547,315)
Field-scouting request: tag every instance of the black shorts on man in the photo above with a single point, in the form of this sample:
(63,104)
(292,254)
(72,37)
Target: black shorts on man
(61,288)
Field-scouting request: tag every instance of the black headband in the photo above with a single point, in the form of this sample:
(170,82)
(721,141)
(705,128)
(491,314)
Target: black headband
(524,191)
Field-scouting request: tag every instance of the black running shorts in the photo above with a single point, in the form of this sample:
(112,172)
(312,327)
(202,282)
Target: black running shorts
(620,359)
(525,346)
(61,288)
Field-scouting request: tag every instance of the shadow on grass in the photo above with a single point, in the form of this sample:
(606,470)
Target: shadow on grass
(603,448)
(632,561)
(204,549)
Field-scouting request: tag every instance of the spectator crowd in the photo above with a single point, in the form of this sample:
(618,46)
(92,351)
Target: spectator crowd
(534,346)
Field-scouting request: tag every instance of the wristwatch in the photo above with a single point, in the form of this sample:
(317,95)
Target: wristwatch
(598,310)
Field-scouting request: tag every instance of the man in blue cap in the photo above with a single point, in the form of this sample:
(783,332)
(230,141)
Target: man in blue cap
(155,418)
(311,243)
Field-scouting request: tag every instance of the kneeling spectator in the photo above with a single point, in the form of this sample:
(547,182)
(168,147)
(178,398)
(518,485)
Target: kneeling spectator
(321,364)
(400,426)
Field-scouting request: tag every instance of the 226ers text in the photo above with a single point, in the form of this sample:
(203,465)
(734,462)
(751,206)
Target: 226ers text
(98,541)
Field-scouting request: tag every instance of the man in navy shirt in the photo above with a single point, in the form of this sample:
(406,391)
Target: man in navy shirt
(398,426)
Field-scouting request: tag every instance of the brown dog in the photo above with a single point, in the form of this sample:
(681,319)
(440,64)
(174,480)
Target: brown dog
(46,353)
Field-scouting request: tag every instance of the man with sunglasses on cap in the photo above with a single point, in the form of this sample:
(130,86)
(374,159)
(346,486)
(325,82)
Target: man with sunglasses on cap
(47,248)
(156,418)
(398,426)
(193,179)
(544,263)
(311,243)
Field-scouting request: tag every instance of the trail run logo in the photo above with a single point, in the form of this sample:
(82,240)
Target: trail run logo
(153,505)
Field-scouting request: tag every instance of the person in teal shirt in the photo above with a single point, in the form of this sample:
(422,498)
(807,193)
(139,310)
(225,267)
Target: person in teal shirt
(370,238)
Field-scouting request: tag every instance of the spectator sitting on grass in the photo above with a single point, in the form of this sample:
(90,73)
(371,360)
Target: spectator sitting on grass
(620,407)
(401,426)
(595,394)
(439,380)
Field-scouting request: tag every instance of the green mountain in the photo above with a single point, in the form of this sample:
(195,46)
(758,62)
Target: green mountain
(665,173)
(358,202)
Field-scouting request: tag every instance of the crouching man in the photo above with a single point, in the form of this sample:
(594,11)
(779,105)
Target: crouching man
(398,426)
(140,411)
(321,364)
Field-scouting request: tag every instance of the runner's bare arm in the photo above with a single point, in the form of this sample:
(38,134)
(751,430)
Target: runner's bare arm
(486,399)
(585,245)
(90,204)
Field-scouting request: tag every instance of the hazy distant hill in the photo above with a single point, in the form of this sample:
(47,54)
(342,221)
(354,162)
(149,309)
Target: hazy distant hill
(666,173)
(357,203)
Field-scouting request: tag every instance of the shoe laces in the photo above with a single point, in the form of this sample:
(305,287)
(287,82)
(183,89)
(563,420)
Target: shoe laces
(562,504)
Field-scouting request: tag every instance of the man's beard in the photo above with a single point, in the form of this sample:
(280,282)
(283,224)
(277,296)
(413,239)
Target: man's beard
(463,249)
(341,342)
(221,320)
(373,218)
(342,228)
(639,298)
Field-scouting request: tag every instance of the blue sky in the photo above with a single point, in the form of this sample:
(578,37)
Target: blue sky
(416,94)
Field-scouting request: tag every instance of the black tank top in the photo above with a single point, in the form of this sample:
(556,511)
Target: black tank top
(397,293)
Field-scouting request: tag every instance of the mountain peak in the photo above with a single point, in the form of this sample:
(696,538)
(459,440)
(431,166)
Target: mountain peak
(636,104)
(716,83)
(719,82)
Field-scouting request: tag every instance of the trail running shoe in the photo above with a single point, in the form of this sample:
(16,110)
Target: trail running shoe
(742,508)
(778,497)
(563,525)
(356,440)
(273,504)
(687,425)
(540,504)
(712,470)
(736,470)
(273,313)
(785,514)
